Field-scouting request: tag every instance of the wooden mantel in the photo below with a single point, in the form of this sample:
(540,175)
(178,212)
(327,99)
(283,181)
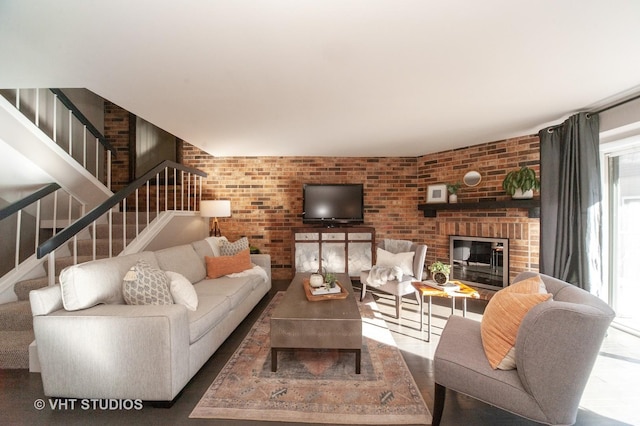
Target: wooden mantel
(532,205)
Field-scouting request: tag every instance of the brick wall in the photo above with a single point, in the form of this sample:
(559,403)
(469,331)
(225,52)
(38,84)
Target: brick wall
(266,194)
(493,160)
(116,131)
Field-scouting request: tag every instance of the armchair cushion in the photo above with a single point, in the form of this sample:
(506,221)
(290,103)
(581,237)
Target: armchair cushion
(387,259)
(502,318)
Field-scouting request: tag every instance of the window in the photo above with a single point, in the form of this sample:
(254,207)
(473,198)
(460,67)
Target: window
(621,167)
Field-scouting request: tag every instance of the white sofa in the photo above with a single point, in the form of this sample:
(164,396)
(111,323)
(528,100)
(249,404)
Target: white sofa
(111,350)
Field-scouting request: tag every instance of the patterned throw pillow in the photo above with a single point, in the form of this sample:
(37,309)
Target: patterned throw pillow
(229,249)
(225,265)
(502,317)
(145,285)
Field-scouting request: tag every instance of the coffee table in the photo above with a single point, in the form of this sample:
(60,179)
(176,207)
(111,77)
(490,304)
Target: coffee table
(423,290)
(297,323)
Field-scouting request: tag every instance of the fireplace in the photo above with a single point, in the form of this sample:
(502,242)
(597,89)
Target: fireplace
(480,261)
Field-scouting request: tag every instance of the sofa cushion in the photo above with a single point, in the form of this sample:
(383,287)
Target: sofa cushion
(182,290)
(183,260)
(389,260)
(236,289)
(218,266)
(99,281)
(229,249)
(502,317)
(211,310)
(145,285)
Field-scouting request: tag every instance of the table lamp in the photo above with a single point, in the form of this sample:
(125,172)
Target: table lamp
(215,209)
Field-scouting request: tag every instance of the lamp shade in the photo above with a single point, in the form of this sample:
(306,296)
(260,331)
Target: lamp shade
(215,208)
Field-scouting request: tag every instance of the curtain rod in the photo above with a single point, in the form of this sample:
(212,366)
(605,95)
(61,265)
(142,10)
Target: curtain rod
(617,105)
(557,126)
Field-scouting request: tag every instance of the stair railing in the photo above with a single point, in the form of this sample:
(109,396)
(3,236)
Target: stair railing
(185,179)
(57,116)
(46,205)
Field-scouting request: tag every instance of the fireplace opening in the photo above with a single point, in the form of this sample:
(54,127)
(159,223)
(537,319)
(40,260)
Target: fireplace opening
(479,261)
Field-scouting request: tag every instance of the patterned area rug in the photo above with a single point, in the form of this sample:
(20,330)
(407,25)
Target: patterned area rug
(317,386)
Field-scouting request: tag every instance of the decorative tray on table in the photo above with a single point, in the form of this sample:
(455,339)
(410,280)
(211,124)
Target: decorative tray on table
(320,293)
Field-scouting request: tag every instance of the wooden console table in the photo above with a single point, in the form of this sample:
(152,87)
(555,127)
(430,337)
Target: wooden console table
(348,249)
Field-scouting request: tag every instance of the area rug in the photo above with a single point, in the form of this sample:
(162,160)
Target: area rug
(316,386)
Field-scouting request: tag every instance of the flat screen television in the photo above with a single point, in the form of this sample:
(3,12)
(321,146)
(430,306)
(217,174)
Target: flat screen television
(332,204)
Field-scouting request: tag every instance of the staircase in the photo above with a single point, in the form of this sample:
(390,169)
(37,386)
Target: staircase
(16,322)
(78,180)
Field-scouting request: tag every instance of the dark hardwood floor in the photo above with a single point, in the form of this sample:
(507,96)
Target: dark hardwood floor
(611,397)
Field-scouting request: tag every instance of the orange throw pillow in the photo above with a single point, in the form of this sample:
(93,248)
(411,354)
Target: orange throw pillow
(502,318)
(225,265)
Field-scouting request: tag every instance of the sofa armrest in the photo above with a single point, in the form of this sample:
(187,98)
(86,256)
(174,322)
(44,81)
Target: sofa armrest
(264,261)
(114,351)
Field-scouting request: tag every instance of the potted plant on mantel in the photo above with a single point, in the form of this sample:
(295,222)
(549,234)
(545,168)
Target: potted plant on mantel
(521,183)
(453,190)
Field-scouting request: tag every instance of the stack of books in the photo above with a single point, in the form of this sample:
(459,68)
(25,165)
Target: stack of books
(320,291)
(449,287)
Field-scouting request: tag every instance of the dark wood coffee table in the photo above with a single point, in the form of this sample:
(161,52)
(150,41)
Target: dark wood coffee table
(298,323)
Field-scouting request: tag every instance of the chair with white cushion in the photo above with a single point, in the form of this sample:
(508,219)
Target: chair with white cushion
(393,256)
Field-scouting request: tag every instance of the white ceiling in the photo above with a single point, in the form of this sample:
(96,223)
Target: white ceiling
(331,77)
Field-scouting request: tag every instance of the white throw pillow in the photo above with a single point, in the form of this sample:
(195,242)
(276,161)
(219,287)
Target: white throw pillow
(182,290)
(215,242)
(389,260)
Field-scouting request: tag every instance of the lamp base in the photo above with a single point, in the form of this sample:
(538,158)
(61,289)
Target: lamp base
(215,230)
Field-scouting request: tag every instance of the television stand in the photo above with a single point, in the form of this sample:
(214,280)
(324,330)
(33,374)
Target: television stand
(339,249)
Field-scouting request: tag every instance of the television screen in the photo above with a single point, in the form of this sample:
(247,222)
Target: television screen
(333,203)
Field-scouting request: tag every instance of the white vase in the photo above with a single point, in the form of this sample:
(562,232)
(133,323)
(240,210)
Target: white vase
(519,195)
(453,198)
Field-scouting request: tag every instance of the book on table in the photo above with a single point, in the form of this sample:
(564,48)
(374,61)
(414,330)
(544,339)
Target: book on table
(324,290)
(449,287)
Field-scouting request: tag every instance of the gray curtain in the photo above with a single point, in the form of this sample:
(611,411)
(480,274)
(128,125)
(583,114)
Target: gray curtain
(570,197)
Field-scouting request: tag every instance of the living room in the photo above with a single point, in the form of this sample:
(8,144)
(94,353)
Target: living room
(264,183)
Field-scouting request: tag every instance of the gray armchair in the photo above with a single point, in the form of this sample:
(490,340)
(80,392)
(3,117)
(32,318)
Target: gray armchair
(556,346)
(401,287)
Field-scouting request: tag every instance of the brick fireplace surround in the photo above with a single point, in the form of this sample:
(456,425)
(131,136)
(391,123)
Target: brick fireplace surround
(266,194)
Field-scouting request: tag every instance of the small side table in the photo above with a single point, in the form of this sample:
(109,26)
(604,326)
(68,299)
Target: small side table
(423,290)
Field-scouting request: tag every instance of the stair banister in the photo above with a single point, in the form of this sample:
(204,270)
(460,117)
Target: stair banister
(66,234)
(28,200)
(73,111)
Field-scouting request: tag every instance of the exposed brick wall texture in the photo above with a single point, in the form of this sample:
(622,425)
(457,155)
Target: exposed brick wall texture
(266,194)
(493,160)
(116,131)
